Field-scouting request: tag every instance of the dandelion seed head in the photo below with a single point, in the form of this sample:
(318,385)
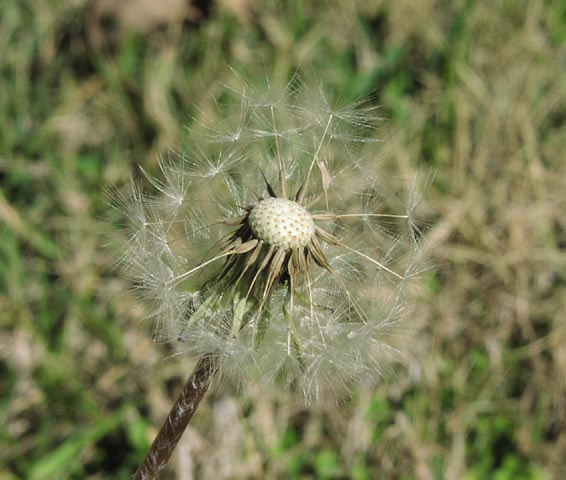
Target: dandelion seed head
(272,244)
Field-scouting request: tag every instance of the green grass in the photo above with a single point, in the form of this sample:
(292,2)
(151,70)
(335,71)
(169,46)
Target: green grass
(474,92)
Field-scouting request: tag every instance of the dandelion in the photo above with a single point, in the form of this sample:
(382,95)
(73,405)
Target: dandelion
(270,250)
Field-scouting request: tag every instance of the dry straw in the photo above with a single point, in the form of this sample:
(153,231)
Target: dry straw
(270,249)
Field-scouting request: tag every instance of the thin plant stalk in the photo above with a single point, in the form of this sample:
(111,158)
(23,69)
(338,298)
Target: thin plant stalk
(176,422)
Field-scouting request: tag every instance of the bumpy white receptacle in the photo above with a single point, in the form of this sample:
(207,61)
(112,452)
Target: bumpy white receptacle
(282,223)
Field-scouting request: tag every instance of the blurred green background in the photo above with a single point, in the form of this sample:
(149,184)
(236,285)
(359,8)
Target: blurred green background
(472,91)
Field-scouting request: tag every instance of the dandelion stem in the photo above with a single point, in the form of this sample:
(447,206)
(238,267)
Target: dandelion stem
(178,419)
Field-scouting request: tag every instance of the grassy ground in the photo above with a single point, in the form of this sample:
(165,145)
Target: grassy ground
(473,91)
